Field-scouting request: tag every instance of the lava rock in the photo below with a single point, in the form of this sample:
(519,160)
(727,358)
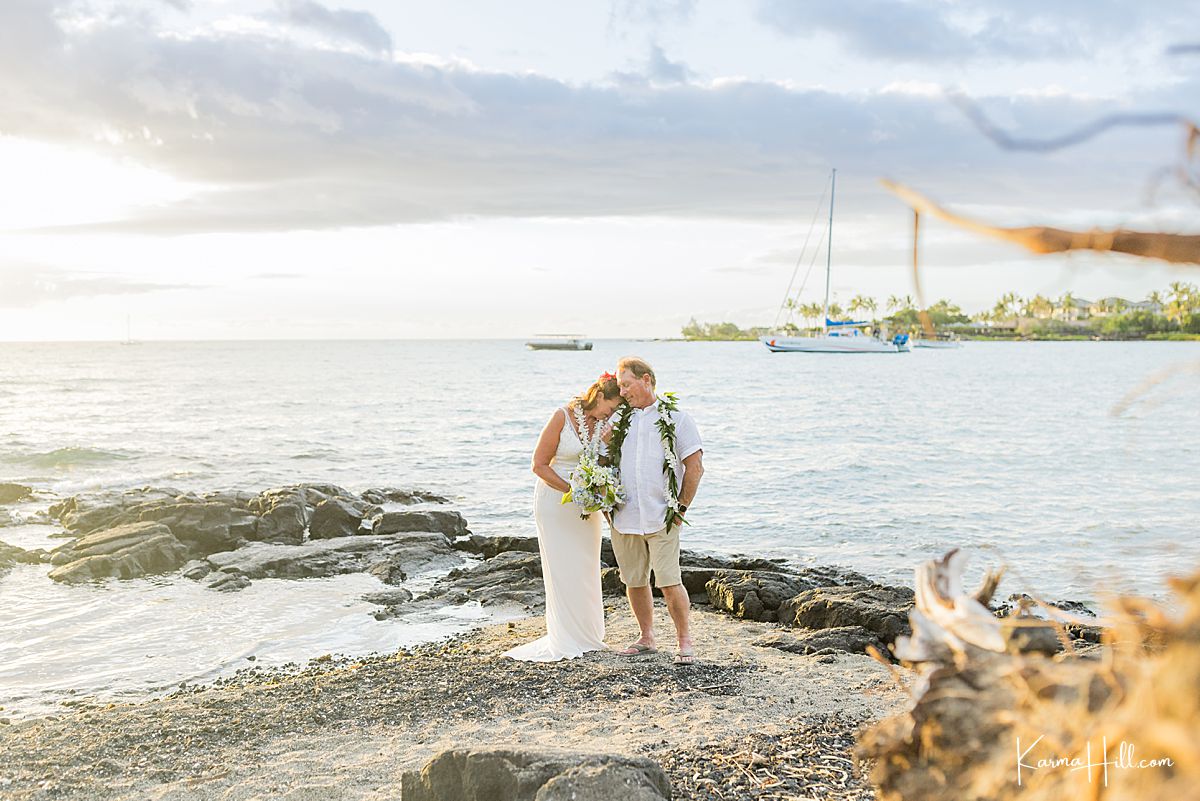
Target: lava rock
(844,639)
(1030,635)
(879,608)
(511,774)
(319,558)
(196,569)
(337,517)
(283,516)
(753,594)
(488,547)
(228,581)
(205,526)
(511,577)
(128,551)
(11,493)
(382,495)
(450,523)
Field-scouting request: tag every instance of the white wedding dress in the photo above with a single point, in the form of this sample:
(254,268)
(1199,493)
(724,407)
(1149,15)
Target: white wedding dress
(570,549)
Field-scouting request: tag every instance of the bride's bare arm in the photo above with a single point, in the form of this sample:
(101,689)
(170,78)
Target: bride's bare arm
(547,445)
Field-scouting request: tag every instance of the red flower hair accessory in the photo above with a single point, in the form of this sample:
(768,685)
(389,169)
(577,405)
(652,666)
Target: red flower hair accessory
(605,376)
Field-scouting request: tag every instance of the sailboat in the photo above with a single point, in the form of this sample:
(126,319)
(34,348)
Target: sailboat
(129,340)
(836,336)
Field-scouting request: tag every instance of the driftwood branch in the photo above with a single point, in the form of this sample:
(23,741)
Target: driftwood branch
(1094,128)
(1175,248)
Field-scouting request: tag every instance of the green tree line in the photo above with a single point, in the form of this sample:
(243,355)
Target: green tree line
(1174,312)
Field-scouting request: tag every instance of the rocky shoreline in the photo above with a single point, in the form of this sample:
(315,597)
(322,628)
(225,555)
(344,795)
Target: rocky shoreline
(350,728)
(793,660)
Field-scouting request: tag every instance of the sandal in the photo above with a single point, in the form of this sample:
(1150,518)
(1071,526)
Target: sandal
(637,649)
(687,657)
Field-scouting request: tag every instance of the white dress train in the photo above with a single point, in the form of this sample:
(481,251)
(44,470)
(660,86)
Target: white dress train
(570,550)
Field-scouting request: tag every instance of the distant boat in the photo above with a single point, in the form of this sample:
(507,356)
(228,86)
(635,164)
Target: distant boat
(129,340)
(838,337)
(943,342)
(559,342)
(835,336)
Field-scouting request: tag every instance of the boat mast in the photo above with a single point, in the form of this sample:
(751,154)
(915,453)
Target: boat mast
(828,253)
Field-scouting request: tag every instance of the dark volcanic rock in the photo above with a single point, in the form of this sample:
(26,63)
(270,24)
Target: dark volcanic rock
(11,493)
(415,551)
(337,517)
(511,577)
(283,516)
(227,581)
(610,581)
(509,774)
(195,569)
(1030,635)
(452,524)
(845,639)
(754,594)
(9,555)
(878,608)
(127,551)
(83,514)
(208,527)
(487,547)
(389,597)
(382,495)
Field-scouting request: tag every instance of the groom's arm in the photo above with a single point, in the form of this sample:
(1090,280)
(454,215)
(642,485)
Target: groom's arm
(693,471)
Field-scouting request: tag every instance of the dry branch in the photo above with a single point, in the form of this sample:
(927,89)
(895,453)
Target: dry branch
(1175,248)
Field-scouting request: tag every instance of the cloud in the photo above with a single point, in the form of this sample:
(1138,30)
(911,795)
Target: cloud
(284,136)
(359,27)
(274,276)
(653,13)
(932,32)
(661,69)
(23,287)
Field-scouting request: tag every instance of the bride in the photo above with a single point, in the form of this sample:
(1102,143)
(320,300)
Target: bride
(570,546)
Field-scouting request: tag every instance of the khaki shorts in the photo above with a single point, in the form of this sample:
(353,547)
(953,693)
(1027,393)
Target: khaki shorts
(637,554)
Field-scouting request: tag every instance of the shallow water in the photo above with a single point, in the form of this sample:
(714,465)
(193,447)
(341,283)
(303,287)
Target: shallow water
(874,462)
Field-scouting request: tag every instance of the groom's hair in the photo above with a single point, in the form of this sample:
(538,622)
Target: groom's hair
(639,368)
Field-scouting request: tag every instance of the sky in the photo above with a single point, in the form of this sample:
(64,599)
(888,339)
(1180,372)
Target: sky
(233,169)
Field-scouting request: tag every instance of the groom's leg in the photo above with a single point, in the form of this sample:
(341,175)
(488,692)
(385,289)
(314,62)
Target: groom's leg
(642,604)
(633,557)
(664,558)
(678,604)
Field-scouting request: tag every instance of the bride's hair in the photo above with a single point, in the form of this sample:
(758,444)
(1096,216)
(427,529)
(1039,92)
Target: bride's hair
(603,387)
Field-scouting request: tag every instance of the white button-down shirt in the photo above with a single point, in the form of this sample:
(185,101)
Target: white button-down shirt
(645,507)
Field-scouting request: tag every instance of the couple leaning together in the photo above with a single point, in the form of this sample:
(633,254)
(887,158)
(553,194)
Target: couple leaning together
(621,451)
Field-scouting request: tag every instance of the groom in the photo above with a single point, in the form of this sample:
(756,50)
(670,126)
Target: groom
(645,529)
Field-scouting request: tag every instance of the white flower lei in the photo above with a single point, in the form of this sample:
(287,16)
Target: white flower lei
(668,402)
(591,441)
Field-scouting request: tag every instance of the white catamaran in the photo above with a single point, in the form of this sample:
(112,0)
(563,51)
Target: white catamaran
(836,336)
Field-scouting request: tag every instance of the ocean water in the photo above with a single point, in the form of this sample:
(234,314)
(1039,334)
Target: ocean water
(1020,452)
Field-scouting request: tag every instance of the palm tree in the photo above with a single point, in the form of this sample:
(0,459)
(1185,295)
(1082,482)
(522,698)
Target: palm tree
(893,303)
(1040,306)
(861,302)
(1066,305)
(1180,291)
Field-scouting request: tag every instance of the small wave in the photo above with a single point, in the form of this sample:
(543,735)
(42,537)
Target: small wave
(66,457)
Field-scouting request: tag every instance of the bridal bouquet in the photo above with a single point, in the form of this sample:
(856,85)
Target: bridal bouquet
(594,487)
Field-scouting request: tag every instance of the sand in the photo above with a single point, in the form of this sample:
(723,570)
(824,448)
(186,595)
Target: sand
(347,729)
